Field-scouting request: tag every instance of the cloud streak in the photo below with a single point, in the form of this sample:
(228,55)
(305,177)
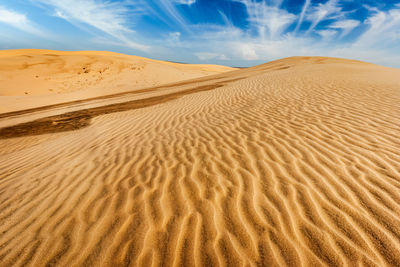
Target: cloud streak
(108,17)
(345,25)
(302,14)
(18,20)
(273,40)
(269,20)
(185,2)
(322,12)
(383,28)
(234,32)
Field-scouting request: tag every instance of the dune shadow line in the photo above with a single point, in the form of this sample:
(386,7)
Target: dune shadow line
(81,118)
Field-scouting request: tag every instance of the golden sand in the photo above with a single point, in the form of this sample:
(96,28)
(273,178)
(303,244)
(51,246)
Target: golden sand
(27,75)
(291,163)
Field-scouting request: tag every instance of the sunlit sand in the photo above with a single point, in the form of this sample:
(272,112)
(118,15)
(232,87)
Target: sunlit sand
(146,163)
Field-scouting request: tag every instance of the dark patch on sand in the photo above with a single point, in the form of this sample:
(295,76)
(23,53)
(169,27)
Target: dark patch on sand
(81,118)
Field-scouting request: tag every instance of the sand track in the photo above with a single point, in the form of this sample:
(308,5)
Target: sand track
(291,163)
(30,72)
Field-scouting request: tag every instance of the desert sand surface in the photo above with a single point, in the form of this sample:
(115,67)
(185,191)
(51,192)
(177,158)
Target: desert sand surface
(291,163)
(26,75)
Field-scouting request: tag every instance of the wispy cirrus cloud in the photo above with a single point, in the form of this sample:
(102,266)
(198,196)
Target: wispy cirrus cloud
(209,56)
(168,7)
(270,20)
(185,2)
(166,11)
(18,20)
(327,35)
(383,28)
(302,14)
(108,17)
(323,11)
(234,32)
(346,26)
(272,42)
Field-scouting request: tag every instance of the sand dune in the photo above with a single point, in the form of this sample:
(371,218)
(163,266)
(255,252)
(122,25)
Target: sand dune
(291,163)
(43,72)
(26,75)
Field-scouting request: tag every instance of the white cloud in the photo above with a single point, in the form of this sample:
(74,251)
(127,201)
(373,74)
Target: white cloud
(225,19)
(269,20)
(172,39)
(370,8)
(265,38)
(175,36)
(321,12)
(327,34)
(223,57)
(170,10)
(302,14)
(345,25)
(245,50)
(383,57)
(239,46)
(185,2)
(383,29)
(208,56)
(108,17)
(17,20)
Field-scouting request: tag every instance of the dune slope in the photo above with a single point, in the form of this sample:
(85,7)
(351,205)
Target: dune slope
(33,72)
(291,163)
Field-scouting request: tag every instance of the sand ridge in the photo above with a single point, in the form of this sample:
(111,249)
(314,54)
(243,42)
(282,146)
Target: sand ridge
(291,163)
(33,72)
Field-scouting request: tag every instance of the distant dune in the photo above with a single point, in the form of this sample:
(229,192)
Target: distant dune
(43,72)
(291,163)
(73,75)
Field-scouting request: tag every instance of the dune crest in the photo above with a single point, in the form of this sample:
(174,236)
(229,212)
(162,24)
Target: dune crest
(44,72)
(291,163)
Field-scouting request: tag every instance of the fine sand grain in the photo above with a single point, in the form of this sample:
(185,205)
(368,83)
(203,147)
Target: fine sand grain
(291,163)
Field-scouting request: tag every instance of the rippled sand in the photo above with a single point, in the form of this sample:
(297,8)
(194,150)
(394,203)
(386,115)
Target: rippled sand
(291,163)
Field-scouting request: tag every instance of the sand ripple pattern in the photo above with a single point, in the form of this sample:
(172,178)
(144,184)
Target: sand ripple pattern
(295,166)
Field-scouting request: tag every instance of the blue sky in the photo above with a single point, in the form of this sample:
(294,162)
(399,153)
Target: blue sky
(228,32)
